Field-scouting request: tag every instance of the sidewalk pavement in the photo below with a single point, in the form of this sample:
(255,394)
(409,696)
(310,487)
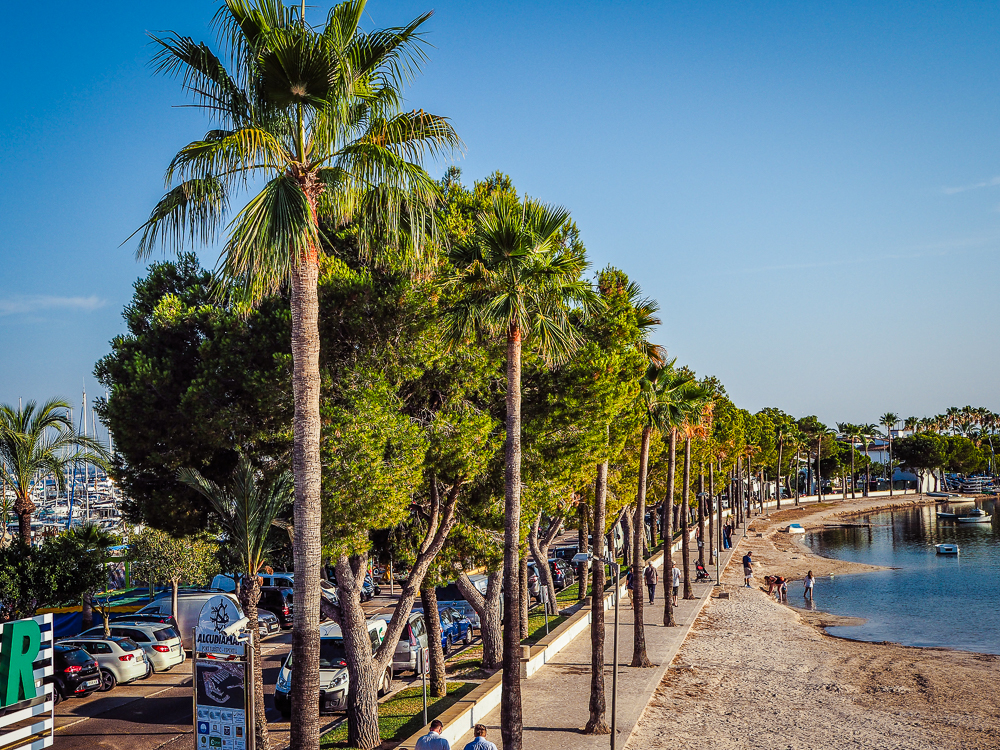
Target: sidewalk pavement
(555,700)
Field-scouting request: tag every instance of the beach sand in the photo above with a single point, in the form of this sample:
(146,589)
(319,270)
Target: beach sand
(757,674)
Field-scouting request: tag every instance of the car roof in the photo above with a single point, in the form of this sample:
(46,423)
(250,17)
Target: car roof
(137,624)
(89,638)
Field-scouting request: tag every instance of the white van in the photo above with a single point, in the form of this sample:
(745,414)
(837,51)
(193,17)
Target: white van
(188,610)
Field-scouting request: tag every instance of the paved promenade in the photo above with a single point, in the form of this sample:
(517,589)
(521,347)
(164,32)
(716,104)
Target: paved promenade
(556,698)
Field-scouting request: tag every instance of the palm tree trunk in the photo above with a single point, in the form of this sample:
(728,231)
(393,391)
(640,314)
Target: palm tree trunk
(777,481)
(701,514)
(711,513)
(87,611)
(685,515)
(668,536)
(24,509)
(510,699)
(890,470)
(598,704)
(853,483)
(819,471)
(639,657)
(438,678)
(250,596)
(306,547)
(583,545)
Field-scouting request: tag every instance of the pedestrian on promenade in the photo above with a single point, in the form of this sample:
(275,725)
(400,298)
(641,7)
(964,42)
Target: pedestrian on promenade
(630,581)
(433,739)
(652,578)
(809,581)
(676,582)
(747,570)
(726,544)
(480,743)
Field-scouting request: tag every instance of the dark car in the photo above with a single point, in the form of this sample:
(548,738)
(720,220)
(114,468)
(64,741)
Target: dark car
(279,600)
(562,573)
(454,628)
(74,672)
(267,623)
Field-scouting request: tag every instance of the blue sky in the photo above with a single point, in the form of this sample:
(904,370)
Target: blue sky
(811,190)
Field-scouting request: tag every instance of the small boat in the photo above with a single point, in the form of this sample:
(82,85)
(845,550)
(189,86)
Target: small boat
(946,549)
(937,494)
(976,516)
(947,516)
(795,528)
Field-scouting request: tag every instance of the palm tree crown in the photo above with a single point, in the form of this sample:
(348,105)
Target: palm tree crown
(37,440)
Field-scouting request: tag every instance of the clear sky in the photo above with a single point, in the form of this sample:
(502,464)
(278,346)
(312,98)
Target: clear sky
(811,190)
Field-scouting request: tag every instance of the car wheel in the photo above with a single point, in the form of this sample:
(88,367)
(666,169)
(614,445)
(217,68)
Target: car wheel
(149,669)
(447,645)
(468,636)
(108,681)
(57,696)
(386,685)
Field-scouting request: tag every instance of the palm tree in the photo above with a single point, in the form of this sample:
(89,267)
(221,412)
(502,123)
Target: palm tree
(783,437)
(910,424)
(867,432)
(654,394)
(889,420)
(92,536)
(850,432)
(247,506)
(316,116)
(697,407)
(35,441)
(516,281)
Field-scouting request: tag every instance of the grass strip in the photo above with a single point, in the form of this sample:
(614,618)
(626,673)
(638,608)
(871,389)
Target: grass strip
(403,714)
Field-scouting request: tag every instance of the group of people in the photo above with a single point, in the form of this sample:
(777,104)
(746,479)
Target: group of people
(651,578)
(434,741)
(777,585)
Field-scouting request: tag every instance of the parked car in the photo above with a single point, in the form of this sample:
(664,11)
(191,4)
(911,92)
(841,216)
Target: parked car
(453,597)
(120,659)
(414,637)
(160,642)
(562,573)
(279,600)
(188,610)
(454,628)
(75,673)
(267,623)
(333,677)
(227,581)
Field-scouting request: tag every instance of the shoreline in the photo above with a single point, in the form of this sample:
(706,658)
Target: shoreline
(755,673)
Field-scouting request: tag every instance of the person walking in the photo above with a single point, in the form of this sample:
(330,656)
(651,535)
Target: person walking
(433,739)
(810,580)
(652,578)
(480,742)
(747,570)
(676,581)
(630,582)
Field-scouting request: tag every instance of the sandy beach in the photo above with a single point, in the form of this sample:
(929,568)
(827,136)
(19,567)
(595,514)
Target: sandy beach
(758,674)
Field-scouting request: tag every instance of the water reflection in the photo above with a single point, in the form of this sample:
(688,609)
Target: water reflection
(928,599)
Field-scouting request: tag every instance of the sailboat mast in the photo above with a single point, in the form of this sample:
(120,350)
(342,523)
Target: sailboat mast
(86,466)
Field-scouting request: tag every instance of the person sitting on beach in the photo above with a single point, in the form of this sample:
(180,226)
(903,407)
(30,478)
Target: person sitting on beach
(747,569)
(809,581)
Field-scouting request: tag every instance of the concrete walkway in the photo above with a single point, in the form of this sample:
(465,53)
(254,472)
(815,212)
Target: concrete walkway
(555,700)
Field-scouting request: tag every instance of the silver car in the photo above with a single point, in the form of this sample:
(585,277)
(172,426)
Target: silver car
(413,639)
(120,659)
(161,643)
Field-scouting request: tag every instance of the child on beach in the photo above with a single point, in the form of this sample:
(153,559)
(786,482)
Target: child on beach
(809,581)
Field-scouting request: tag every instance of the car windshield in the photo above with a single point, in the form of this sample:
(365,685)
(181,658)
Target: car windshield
(331,654)
(166,634)
(127,644)
(75,656)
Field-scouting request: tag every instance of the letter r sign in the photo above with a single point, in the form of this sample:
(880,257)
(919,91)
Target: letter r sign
(18,649)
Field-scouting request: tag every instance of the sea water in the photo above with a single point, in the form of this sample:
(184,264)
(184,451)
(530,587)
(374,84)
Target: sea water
(927,599)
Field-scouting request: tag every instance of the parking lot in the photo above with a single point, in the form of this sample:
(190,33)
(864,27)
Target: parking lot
(156,712)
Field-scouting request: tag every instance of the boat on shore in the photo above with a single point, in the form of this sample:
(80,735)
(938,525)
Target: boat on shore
(976,516)
(946,549)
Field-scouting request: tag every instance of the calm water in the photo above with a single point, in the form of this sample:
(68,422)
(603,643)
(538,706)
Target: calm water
(931,599)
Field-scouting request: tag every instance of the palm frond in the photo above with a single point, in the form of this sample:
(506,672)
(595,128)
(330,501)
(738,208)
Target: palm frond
(194,211)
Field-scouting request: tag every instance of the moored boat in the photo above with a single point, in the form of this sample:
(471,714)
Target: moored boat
(946,549)
(976,516)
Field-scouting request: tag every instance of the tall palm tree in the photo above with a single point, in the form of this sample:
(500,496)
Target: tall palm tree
(247,506)
(782,436)
(697,407)
(910,424)
(867,432)
(654,395)
(316,116)
(889,420)
(850,433)
(38,440)
(516,281)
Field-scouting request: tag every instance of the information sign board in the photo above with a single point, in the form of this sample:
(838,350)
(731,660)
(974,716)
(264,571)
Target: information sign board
(27,717)
(221,704)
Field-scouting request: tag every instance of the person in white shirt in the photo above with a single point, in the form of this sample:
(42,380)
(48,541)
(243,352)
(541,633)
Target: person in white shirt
(480,742)
(433,739)
(676,583)
(810,580)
